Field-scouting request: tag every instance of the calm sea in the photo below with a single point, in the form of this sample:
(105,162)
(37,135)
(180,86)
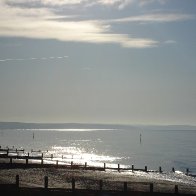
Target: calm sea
(127,146)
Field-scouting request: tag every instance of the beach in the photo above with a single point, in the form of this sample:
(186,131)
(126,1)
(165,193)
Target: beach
(87,179)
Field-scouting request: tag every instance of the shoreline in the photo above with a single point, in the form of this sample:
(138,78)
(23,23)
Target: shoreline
(88,179)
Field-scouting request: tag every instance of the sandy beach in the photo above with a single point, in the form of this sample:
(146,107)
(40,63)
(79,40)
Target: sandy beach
(88,179)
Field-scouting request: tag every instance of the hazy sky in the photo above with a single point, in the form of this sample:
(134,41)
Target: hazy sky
(98,61)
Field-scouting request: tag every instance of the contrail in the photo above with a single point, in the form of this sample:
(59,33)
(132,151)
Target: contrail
(34,58)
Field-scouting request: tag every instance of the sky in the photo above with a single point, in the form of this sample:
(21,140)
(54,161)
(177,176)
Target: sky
(98,61)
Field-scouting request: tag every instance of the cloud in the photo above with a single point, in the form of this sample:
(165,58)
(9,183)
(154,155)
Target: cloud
(170,42)
(33,58)
(42,23)
(147,2)
(154,18)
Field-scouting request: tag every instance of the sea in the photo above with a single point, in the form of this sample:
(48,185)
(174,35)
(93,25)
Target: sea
(152,146)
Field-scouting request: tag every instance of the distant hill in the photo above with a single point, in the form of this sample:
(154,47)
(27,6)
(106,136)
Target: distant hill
(19,125)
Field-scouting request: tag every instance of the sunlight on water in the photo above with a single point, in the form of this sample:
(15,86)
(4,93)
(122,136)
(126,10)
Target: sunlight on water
(66,130)
(80,156)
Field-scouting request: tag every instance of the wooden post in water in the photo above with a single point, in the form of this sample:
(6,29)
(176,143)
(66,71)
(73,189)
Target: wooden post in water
(51,156)
(73,185)
(176,189)
(71,164)
(57,163)
(101,185)
(151,187)
(17,181)
(173,170)
(85,165)
(146,169)
(187,171)
(160,170)
(42,155)
(118,167)
(42,161)
(104,166)
(46,182)
(125,186)
(132,167)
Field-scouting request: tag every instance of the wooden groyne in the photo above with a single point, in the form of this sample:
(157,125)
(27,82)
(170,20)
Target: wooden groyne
(38,159)
(126,189)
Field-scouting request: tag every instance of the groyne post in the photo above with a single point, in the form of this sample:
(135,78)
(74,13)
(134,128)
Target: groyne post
(57,163)
(151,187)
(132,167)
(71,164)
(125,186)
(176,189)
(118,167)
(73,184)
(85,165)
(187,171)
(10,160)
(146,169)
(160,170)
(46,182)
(17,181)
(51,156)
(173,170)
(42,161)
(27,161)
(104,166)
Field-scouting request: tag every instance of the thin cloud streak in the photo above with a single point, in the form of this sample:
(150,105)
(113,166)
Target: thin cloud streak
(154,18)
(33,58)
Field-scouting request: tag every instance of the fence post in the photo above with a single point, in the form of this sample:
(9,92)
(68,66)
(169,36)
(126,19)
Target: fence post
(17,181)
(176,189)
(73,184)
(125,186)
(46,182)
(101,185)
(151,187)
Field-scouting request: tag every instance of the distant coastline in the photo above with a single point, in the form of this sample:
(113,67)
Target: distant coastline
(21,125)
